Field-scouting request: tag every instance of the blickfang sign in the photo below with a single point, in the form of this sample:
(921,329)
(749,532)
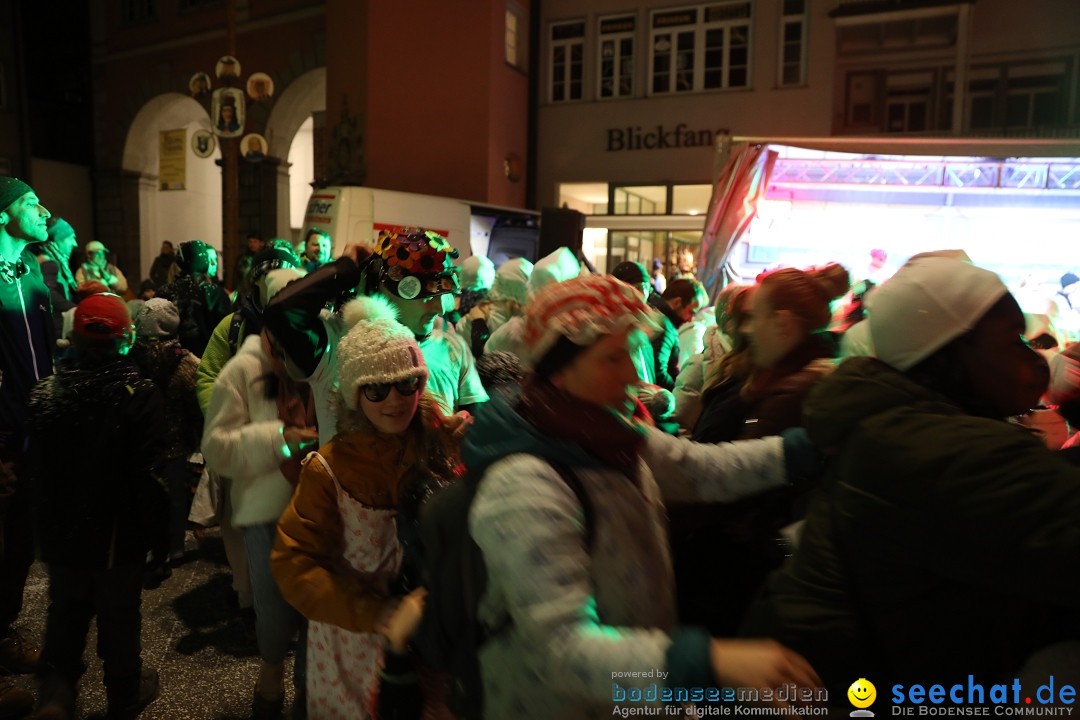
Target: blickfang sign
(660,138)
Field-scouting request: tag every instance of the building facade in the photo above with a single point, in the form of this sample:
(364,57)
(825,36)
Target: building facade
(633,96)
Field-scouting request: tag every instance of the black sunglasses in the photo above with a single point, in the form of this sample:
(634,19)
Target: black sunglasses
(379,392)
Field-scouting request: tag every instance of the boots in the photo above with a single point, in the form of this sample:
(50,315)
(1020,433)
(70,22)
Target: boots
(269,697)
(14,701)
(57,700)
(149,689)
(17,655)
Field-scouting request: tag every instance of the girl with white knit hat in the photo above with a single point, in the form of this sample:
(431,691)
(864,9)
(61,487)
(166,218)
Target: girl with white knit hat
(338,557)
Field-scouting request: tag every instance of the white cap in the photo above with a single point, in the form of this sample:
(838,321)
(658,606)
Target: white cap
(477,273)
(511,280)
(927,304)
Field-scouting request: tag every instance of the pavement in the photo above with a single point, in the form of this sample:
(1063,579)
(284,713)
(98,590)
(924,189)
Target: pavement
(204,651)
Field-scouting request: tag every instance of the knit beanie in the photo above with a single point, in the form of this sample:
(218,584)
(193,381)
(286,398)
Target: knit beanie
(557,267)
(103,316)
(11,189)
(60,230)
(156,319)
(511,281)
(581,310)
(378,349)
(477,273)
(930,302)
(1065,376)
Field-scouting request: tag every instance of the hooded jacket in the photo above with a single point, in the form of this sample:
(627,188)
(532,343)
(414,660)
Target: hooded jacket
(940,546)
(96,445)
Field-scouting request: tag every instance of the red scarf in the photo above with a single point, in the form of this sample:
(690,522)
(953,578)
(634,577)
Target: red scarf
(598,430)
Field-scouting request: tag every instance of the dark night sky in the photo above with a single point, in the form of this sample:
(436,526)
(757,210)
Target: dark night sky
(56,48)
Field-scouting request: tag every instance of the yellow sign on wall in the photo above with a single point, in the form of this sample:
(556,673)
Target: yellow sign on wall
(172,155)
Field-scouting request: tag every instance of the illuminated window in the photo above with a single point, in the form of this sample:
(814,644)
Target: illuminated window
(616,57)
(793,44)
(517,23)
(567,61)
(700,48)
(640,200)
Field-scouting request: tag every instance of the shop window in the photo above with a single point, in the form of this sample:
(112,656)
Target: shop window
(793,44)
(567,61)
(700,48)
(690,199)
(639,200)
(616,45)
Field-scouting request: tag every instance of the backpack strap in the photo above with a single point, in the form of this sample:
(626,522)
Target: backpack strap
(574,483)
(316,457)
(234,331)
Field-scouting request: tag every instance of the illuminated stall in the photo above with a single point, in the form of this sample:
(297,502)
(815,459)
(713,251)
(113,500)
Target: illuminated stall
(1012,204)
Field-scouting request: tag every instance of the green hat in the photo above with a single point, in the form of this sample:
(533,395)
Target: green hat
(11,189)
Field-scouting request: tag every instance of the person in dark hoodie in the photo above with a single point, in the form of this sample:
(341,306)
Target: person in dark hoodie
(160,358)
(941,546)
(589,592)
(201,302)
(96,525)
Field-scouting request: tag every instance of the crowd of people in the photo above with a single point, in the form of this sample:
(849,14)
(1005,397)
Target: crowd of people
(806,480)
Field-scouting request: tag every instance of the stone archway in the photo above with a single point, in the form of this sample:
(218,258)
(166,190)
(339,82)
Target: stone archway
(304,96)
(174,215)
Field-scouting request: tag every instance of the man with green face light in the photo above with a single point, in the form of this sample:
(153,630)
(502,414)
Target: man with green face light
(26,342)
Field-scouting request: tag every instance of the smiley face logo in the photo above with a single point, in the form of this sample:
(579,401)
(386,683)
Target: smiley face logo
(862,693)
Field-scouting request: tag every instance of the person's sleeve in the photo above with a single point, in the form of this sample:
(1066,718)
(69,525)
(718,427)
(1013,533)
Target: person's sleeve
(687,471)
(470,389)
(232,444)
(307,559)
(530,527)
(121,284)
(688,393)
(663,350)
(293,314)
(50,274)
(213,360)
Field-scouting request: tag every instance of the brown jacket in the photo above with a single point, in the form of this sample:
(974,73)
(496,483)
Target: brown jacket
(307,559)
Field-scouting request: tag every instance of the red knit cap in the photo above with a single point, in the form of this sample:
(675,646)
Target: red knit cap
(103,316)
(582,309)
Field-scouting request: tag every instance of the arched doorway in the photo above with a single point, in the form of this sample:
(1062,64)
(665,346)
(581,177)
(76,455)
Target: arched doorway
(289,130)
(193,212)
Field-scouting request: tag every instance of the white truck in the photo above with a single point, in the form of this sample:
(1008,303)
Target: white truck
(357,214)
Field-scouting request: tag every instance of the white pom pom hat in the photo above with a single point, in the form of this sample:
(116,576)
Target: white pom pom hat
(377,349)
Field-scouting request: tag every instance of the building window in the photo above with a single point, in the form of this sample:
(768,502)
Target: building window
(517,34)
(567,61)
(907,101)
(793,44)
(700,48)
(1032,101)
(137,12)
(639,200)
(1021,95)
(617,57)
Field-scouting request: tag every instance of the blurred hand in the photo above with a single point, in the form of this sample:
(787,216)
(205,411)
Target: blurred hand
(358,252)
(458,424)
(402,623)
(299,439)
(759,664)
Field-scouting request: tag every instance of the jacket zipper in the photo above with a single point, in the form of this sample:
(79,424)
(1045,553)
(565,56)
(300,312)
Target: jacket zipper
(26,322)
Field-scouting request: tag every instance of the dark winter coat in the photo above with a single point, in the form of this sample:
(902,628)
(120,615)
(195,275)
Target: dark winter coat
(943,544)
(96,440)
(173,370)
(201,305)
